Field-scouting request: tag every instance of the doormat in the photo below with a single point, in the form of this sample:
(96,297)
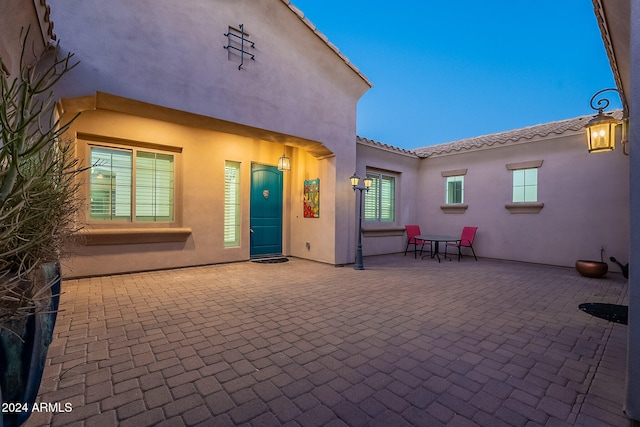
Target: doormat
(611,312)
(270,260)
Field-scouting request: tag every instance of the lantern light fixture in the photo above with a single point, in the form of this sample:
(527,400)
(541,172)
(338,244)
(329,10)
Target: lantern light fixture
(355,180)
(284,163)
(601,129)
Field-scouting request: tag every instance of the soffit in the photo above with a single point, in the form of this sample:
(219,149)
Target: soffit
(615,27)
(105,101)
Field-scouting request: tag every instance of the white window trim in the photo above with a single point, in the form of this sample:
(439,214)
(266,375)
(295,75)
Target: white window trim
(236,203)
(126,232)
(454,208)
(378,222)
(133,202)
(524,207)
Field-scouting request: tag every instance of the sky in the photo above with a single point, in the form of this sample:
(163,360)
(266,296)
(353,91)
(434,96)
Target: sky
(454,69)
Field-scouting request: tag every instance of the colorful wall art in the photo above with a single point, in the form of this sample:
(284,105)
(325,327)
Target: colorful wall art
(312,198)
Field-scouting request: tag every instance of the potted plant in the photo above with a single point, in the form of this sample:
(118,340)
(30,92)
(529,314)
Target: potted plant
(38,200)
(594,269)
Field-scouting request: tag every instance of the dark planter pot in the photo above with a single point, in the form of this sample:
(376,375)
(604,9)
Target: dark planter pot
(594,269)
(23,352)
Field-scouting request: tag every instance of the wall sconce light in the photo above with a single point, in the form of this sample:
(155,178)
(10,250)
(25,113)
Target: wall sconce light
(601,129)
(355,180)
(284,163)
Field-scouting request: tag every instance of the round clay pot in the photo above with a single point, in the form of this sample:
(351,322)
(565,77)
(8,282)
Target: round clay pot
(591,268)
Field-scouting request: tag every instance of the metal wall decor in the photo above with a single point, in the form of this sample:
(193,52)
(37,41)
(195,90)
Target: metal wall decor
(237,40)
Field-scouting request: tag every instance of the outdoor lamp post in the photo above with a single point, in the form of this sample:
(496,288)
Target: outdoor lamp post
(601,130)
(355,180)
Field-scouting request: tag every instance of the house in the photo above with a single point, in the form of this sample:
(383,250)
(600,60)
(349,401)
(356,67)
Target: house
(183,134)
(186,112)
(583,195)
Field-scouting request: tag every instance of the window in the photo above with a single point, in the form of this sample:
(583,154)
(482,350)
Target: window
(122,188)
(379,201)
(454,192)
(231,204)
(525,185)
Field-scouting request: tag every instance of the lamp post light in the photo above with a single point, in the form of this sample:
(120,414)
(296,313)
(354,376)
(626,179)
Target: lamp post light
(355,180)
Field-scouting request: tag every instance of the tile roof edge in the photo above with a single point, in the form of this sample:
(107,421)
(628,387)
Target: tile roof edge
(509,137)
(44,15)
(382,146)
(325,39)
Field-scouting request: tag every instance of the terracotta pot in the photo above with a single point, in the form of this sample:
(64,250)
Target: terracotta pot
(591,268)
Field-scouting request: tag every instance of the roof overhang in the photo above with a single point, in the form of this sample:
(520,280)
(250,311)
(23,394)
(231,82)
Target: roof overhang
(105,101)
(325,39)
(614,20)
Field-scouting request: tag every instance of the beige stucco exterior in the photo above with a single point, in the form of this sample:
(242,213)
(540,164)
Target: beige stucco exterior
(383,238)
(156,75)
(582,204)
(152,75)
(17,18)
(584,197)
(139,84)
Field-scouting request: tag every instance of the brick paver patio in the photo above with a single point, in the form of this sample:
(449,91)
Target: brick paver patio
(405,342)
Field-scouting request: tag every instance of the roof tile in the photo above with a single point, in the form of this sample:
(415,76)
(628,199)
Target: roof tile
(509,137)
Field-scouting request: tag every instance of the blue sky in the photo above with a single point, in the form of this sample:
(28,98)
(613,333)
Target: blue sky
(447,70)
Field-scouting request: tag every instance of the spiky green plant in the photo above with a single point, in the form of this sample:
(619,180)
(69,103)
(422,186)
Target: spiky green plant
(38,181)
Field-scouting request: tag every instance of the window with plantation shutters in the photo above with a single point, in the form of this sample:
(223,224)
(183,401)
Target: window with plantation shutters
(379,201)
(454,192)
(154,187)
(231,204)
(110,184)
(122,189)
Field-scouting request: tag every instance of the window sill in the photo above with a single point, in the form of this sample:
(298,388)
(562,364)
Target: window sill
(382,231)
(524,208)
(126,236)
(458,208)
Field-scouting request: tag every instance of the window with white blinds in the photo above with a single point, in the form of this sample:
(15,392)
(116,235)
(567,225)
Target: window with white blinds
(121,189)
(379,201)
(231,204)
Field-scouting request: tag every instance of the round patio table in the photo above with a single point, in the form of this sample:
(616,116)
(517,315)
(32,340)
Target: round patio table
(436,239)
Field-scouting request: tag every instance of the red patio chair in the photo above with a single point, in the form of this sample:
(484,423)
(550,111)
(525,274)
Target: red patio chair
(412,232)
(466,241)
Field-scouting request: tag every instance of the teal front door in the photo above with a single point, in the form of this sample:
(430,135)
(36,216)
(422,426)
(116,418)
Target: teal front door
(266,210)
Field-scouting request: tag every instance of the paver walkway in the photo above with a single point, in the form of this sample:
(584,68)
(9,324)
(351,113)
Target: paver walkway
(405,342)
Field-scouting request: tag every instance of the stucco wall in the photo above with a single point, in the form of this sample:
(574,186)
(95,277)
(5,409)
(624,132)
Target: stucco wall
(16,18)
(381,238)
(585,196)
(151,51)
(632,401)
(199,195)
